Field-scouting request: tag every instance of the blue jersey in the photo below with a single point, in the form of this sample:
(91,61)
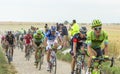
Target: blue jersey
(52,37)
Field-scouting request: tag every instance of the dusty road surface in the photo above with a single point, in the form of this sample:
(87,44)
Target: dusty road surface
(27,67)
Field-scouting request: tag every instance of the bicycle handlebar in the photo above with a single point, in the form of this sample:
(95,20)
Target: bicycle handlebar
(104,59)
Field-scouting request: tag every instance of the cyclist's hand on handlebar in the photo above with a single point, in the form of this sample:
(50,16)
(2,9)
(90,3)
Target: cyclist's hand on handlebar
(59,47)
(106,57)
(93,57)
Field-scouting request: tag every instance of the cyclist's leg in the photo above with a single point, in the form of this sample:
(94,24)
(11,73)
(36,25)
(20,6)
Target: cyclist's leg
(36,51)
(48,54)
(94,53)
(48,50)
(26,49)
(6,49)
(12,50)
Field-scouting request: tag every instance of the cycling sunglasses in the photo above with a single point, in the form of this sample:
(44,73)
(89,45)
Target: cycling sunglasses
(38,34)
(97,28)
(83,32)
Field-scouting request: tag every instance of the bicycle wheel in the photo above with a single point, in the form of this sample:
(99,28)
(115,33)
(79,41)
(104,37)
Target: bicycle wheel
(9,55)
(41,61)
(97,72)
(78,69)
(102,72)
(28,55)
(53,66)
(84,68)
(21,46)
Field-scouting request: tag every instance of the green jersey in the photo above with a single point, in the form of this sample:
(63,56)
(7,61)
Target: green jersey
(96,42)
(37,38)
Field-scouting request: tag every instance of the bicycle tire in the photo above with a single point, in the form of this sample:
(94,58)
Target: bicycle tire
(41,62)
(53,66)
(78,69)
(9,55)
(28,54)
(21,47)
(102,72)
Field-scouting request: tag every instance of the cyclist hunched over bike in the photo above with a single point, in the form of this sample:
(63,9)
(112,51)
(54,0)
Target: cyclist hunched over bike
(11,42)
(51,41)
(38,39)
(28,41)
(77,44)
(94,40)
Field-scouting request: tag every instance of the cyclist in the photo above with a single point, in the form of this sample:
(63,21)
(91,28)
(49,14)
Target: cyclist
(3,42)
(51,40)
(17,34)
(21,39)
(94,40)
(2,39)
(28,41)
(77,44)
(11,41)
(38,39)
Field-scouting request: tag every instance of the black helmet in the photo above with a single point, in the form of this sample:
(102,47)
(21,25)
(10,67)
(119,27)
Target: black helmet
(83,30)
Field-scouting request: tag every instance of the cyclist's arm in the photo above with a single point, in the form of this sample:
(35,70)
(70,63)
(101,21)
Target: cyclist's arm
(45,41)
(89,44)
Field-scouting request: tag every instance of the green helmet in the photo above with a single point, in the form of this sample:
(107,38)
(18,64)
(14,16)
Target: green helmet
(39,32)
(96,23)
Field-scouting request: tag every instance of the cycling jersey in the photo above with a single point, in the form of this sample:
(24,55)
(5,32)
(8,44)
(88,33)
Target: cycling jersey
(52,37)
(37,38)
(77,39)
(17,35)
(10,39)
(21,37)
(28,38)
(94,42)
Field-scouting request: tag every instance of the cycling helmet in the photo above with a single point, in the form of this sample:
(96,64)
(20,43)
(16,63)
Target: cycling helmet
(96,23)
(39,32)
(83,30)
(9,31)
(53,28)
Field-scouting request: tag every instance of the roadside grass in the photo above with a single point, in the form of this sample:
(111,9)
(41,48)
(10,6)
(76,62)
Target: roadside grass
(5,68)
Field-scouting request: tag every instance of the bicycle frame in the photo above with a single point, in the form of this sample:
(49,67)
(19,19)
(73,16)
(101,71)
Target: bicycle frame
(53,61)
(40,57)
(80,63)
(28,54)
(9,53)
